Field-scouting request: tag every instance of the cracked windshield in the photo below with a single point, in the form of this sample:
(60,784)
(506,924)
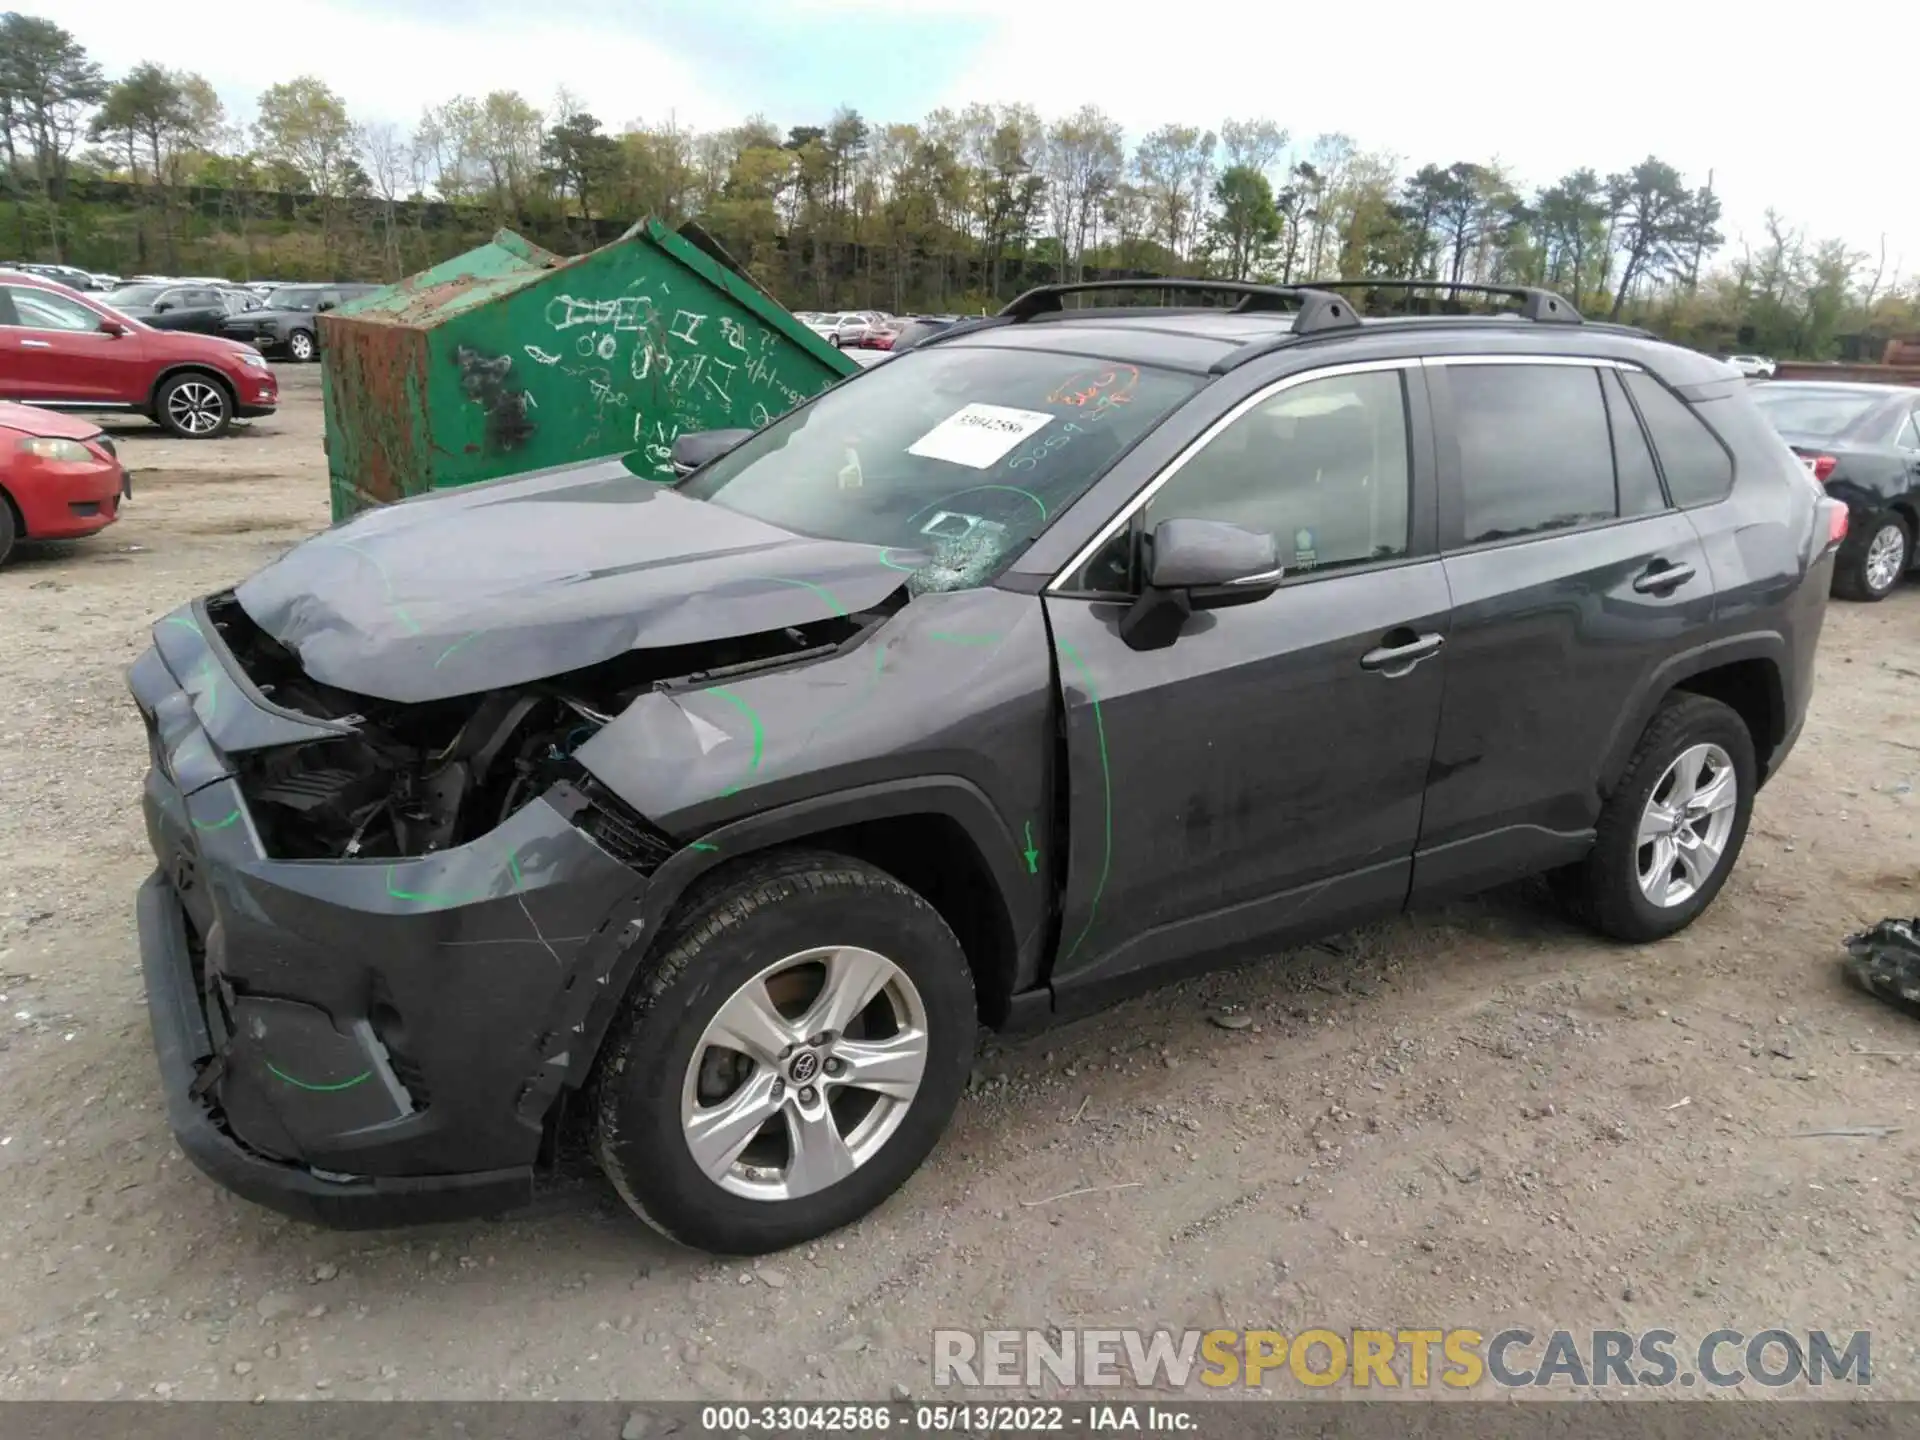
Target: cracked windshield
(952,458)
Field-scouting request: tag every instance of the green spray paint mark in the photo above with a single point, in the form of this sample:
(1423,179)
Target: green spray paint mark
(183,620)
(1032,855)
(1013,490)
(209,671)
(446,653)
(217,824)
(894,564)
(703,845)
(820,590)
(386,585)
(428,897)
(759,736)
(1106,798)
(322,1089)
(953,639)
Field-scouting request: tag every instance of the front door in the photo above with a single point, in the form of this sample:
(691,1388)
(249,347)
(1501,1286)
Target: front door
(53,350)
(1260,777)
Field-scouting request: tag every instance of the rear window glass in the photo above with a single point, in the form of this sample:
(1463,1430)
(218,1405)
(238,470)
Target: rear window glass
(1812,411)
(1535,452)
(1697,466)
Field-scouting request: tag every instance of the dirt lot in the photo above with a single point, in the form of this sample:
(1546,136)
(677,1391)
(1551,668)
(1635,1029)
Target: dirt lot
(1470,1117)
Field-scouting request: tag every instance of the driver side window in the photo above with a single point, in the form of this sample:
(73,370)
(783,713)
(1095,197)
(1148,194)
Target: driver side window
(1321,466)
(43,310)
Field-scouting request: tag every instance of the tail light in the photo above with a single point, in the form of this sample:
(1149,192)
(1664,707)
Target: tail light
(1818,466)
(1837,524)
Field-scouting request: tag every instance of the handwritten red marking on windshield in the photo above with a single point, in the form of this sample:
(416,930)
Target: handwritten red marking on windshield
(1101,388)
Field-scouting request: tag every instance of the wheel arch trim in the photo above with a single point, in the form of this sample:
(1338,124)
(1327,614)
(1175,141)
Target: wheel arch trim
(1769,646)
(947,796)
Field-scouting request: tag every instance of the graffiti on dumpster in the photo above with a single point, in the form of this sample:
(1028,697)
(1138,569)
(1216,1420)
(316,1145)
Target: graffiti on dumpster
(484,380)
(634,357)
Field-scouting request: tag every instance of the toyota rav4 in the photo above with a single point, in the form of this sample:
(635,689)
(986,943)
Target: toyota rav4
(1074,650)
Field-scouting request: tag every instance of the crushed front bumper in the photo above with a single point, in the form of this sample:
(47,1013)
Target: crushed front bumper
(359,1043)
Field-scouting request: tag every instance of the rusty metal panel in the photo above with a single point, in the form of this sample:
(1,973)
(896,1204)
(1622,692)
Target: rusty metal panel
(509,359)
(379,431)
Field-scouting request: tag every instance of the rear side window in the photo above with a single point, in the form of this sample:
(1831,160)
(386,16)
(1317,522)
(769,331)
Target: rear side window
(1638,481)
(1698,468)
(1536,453)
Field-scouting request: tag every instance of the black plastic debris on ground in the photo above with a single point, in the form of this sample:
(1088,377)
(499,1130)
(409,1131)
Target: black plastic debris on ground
(1885,961)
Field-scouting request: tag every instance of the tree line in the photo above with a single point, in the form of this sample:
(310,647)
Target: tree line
(954,212)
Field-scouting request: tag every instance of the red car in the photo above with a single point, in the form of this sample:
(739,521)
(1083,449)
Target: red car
(59,477)
(66,350)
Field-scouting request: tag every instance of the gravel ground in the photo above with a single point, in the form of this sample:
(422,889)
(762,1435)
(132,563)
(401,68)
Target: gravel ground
(1471,1116)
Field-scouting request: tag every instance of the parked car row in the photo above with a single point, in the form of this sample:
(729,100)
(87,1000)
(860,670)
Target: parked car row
(71,276)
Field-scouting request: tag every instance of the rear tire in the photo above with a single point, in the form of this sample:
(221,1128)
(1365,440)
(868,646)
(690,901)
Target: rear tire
(9,527)
(716,1048)
(301,346)
(1870,569)
(194,406)
(1658,859)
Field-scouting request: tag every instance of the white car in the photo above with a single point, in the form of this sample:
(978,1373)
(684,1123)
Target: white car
(1752,366)
(845,329)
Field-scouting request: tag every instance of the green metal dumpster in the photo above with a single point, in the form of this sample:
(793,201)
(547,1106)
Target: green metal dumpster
(510,358)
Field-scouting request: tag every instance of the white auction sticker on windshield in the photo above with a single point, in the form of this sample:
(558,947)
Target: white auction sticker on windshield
(978,435)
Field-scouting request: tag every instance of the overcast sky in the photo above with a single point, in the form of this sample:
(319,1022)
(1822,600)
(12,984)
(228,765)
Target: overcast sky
(1796,108)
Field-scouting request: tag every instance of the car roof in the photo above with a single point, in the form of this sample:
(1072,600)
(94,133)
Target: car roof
(1212,339)
(1852,387)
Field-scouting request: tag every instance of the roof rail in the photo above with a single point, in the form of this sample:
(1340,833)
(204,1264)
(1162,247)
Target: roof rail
(1535,304)
(1326,310)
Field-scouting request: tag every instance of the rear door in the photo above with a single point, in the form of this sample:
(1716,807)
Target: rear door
(1261,776)
(1572,578)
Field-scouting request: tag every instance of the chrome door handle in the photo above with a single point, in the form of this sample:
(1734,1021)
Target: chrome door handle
(1652,581)
(1398,659)
(36,344)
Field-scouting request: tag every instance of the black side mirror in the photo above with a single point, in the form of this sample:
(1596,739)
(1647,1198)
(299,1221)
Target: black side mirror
(702,447)
(324,305)
(162,307)
(1197,565)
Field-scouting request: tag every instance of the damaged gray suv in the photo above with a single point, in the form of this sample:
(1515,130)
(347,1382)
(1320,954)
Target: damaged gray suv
(1075,650)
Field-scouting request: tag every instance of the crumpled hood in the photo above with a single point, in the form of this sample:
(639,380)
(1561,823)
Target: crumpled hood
(515,580)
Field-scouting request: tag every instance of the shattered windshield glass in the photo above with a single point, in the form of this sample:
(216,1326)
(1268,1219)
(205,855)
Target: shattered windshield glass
(953,458)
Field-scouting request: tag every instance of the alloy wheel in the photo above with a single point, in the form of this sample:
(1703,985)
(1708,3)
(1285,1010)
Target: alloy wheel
(1886,557)
(197,407)
(805,1073)
(300,345)
(1686,824)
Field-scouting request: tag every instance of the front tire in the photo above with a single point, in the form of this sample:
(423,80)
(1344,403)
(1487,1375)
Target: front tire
(1871,568)
(787,1058)
(194,407)
(301,346)
(9,529)
(1669,834)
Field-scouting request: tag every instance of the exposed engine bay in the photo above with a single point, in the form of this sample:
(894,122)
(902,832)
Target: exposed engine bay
(418,778)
